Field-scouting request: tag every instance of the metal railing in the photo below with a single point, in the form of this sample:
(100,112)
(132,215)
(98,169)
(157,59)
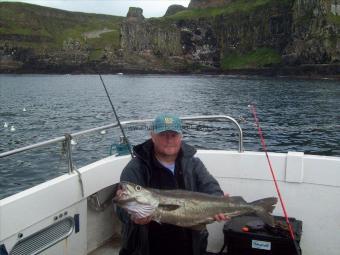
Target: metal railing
(67,138)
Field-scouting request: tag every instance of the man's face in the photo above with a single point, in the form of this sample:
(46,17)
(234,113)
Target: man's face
(167,143)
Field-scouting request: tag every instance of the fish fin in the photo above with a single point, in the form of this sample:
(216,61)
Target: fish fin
(168,207)
(198,227)
(267,206)
(158,221)
(236,199)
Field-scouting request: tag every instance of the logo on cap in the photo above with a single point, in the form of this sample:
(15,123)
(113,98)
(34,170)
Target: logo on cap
(168,120)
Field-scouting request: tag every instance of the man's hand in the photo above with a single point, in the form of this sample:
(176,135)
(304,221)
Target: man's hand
(221,217)
(141,221)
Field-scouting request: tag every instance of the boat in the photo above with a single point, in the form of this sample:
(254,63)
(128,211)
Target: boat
(73,214)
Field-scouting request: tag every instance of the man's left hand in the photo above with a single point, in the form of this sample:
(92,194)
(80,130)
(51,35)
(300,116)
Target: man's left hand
(221,217)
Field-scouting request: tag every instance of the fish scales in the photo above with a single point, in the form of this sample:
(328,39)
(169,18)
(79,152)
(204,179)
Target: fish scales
(192,211)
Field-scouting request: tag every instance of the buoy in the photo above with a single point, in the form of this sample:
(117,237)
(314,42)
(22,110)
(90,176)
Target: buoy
(5,125)
(73,142)
(103,132)
(12,129)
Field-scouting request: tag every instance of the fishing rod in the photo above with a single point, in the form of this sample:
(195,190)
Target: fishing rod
(291,232)
(116,115)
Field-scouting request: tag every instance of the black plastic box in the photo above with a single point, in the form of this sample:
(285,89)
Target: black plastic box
(260,239)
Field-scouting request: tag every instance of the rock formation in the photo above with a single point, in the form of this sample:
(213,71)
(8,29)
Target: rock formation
(275,36)
(173,9)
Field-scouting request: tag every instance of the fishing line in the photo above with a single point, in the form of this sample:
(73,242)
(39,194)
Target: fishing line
(116,115)
(291,232)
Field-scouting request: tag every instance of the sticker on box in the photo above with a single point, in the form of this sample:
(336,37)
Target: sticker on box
(256,244)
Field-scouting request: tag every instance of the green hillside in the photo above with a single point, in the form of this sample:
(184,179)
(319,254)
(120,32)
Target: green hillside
(239,6)
(240,35)
(42,28)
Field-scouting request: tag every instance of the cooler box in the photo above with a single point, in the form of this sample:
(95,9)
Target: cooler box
(248,235)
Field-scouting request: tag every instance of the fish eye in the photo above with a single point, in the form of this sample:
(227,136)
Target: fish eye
(138,188)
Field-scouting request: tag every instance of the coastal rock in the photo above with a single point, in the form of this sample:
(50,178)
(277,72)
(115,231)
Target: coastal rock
(180,45)
(266,28)
(173,9)
(135,14)
(143,36)
(315,33)
(291,35)
(199,40)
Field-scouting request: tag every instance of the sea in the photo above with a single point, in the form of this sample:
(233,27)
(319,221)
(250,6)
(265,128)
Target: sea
(294,115)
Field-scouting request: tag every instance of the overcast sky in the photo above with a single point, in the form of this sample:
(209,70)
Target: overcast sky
(151,8)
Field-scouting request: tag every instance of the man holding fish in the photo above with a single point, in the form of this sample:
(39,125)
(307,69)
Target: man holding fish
(168,196)
(165,162)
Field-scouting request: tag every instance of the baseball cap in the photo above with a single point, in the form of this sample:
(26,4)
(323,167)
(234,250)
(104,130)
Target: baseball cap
(167,122)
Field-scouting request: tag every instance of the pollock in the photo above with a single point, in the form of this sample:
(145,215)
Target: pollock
(186,208)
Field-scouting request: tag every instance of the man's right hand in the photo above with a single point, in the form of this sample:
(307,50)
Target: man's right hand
(141,221)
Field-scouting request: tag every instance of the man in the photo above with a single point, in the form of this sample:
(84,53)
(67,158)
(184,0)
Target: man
(165,162)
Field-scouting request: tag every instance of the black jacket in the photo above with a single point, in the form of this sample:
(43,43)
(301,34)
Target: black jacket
(139,171)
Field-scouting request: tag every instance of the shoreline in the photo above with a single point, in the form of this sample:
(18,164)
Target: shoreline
(306,72)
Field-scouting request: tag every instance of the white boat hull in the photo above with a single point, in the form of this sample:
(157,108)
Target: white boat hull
(310,186)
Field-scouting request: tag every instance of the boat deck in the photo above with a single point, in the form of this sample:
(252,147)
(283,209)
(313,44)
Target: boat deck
(111,247)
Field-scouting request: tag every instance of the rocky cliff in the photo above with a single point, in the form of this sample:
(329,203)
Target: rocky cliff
(240,35)
(315,36)
(283,36)
(270,36)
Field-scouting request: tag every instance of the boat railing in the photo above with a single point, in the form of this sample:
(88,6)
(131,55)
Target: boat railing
(66,139)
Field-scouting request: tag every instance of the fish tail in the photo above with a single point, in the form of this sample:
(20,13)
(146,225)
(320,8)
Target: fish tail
(264,208)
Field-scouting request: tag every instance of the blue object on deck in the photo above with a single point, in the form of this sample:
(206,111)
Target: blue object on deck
(121,148)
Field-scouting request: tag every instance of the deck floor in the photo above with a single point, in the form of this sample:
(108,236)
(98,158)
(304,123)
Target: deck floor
(111,247)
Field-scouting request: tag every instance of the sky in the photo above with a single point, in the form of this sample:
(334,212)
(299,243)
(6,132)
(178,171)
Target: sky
(151,8)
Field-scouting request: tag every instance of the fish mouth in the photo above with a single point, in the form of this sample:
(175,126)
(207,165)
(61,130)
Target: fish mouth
(120,191)
(117,191)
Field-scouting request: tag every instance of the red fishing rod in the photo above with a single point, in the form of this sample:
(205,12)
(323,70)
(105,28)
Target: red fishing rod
(291,232)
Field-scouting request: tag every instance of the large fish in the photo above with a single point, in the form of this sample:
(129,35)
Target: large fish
(186,208)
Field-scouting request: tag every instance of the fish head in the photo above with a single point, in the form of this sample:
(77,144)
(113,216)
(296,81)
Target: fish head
(129,192)
(136,200)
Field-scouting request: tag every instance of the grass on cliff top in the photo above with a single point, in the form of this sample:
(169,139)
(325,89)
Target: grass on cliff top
(333,19)
(111,38)
(96,55)
(239,6)
(53,25)
(259,58)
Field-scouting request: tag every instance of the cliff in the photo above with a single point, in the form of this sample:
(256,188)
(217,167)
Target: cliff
(225,35)
(315,37)
(267,36)
(40,39)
